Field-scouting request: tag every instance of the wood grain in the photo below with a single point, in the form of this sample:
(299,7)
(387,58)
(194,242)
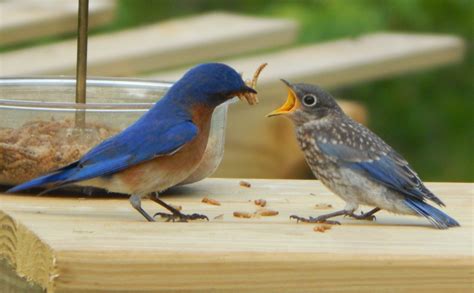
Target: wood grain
(157,46)
(10,282)
(26,20)
(346,61)
(101,244)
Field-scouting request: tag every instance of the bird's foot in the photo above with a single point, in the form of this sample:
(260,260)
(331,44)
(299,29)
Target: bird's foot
(314,220)
(179,217)
(363,216)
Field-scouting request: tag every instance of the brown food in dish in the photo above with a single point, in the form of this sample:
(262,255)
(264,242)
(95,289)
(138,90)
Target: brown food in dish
(39,147)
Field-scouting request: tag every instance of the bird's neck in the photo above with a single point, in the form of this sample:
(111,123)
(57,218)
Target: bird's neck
(200,114)
(321,123)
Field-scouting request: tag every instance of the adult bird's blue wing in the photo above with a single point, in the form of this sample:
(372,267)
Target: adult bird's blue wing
(132,147)
(384,166)
(136,144)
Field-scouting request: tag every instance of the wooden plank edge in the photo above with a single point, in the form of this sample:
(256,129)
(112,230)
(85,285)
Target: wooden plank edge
(26,253)
(187,55)
(250,271)
(271,33)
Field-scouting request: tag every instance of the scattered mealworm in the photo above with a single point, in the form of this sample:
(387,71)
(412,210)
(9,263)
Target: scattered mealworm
(243,215)
(219,217)
(323,206)
(260,202)
(211,201)
(267,213)
(322,228)
(245,184)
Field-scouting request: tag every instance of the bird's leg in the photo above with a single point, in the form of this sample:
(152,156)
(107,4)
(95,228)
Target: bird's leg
(136,203)
(175,214)
(366,216)
(322,218)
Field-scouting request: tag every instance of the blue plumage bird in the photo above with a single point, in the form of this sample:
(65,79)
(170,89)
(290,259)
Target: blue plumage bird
(159,150)
(355,163)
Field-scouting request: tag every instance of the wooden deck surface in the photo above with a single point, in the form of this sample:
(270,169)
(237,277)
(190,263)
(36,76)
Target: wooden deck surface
(100,244)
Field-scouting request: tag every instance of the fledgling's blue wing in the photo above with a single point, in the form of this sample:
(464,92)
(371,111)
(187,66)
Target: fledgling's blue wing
(138,143)
(384,166)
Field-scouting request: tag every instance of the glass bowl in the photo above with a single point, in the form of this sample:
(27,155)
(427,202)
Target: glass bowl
(42,129)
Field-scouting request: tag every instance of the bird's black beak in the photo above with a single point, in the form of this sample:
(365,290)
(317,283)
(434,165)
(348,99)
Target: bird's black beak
(247,93)
(247,89)
(291,103)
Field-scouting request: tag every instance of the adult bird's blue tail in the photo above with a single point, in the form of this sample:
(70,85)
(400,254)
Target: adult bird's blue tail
(50,181)
(439,219)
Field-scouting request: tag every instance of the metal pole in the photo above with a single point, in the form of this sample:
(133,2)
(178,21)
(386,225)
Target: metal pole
(81,65)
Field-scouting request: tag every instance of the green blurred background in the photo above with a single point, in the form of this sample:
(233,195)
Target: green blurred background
(427,116)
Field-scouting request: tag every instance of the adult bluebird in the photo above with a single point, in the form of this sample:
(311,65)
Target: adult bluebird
(355,163)
(159,150)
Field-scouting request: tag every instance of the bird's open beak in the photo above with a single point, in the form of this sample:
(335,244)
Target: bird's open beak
(290,105)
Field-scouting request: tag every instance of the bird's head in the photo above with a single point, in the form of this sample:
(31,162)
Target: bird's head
(306,102)
(210,84)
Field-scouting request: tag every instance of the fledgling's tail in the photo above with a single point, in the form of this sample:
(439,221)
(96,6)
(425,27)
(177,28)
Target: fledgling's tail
(50,181)
(439,219)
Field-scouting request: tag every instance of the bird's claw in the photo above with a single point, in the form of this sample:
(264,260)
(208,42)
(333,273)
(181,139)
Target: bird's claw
(181,217)
(314,220)
(364,216)
(371,218)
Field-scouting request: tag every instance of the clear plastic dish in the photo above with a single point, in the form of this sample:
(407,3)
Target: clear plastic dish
(42,129)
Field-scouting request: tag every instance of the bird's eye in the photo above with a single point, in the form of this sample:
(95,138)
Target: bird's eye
(309,100)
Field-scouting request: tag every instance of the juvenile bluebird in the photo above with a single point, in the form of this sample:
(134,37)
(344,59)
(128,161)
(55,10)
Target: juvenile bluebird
(355,163)
(159,150)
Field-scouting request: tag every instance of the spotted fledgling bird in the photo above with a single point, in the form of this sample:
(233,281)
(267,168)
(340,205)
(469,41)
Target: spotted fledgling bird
(162,148)
(355,163)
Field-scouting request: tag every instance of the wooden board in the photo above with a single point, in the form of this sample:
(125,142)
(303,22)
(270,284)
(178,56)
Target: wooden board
(157,46)
(347,61)
(101,244)
(26,20)
(254,142)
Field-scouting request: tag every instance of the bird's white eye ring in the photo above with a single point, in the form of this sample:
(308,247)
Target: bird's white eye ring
(309,100)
